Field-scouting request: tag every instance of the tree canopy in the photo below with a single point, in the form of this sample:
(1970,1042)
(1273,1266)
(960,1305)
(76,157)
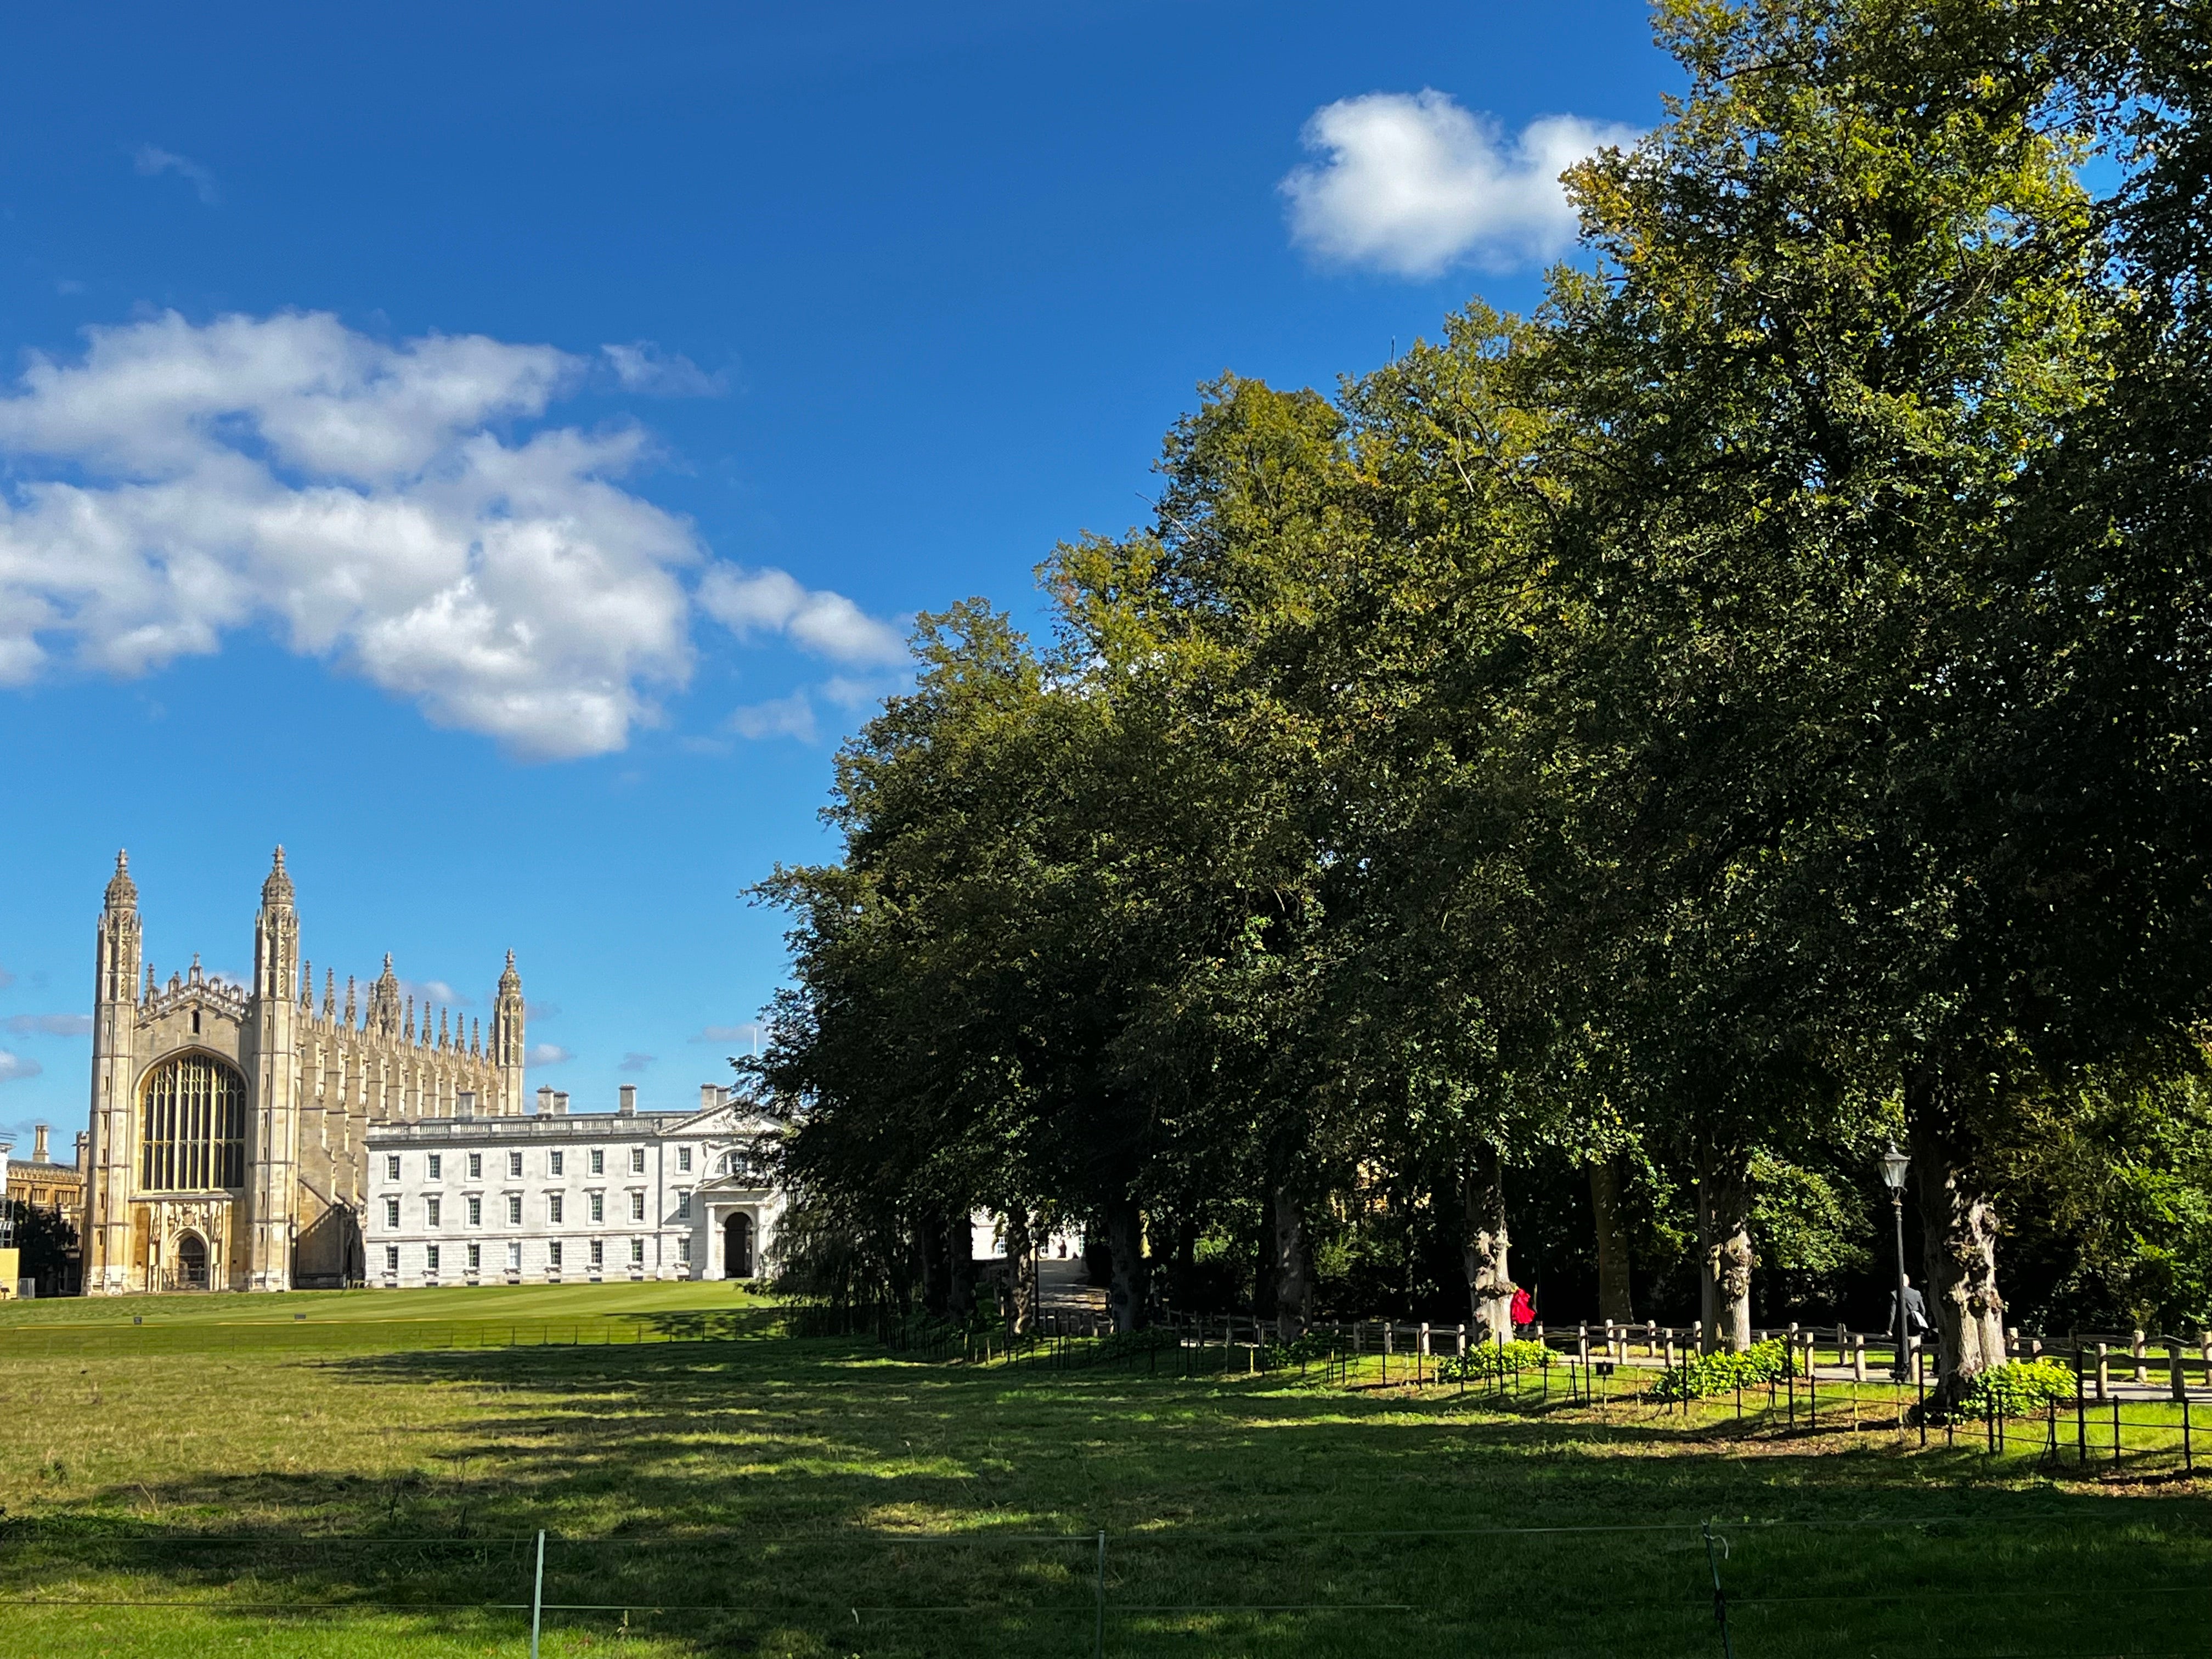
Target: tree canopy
(1749,710)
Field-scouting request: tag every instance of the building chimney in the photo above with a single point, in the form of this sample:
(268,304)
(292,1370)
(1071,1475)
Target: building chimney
(83,1148)
(38,1144)
(544,1100)
(709,1096)
(560,1103)
(629,1107)
(464,1103)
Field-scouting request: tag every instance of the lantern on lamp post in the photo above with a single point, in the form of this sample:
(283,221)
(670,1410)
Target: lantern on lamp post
(1894,1164)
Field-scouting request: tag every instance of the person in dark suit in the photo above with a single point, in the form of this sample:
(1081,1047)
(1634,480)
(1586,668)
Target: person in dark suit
(1916,1312)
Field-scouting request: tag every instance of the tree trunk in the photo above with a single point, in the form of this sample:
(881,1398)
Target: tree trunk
(936,1270)
(1489,1285)
(1724,1252)
(1124,1243)
(1293,1290)
(1613,1299)
(960,1266)
(1959,1240)
(1021,1271)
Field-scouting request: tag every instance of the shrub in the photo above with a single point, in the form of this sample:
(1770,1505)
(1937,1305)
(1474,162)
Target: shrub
(2021,1389)
(1311,1347)
(1488,1359)
(1724,1372)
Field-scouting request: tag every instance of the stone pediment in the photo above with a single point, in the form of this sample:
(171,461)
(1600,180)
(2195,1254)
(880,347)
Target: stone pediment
(733,1186)
(737,1120)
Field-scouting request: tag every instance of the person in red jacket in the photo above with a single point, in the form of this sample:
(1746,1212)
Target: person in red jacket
(1524,1309)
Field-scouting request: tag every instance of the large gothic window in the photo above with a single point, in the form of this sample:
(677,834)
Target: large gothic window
(194,1133)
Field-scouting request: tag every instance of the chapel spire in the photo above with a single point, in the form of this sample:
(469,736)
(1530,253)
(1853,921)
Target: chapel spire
(276,937)
(506,1049)
(383,1002)
(122,891)
(119,940)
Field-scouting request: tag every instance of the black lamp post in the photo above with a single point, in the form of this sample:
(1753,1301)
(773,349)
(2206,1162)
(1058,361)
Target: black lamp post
(1894,1164)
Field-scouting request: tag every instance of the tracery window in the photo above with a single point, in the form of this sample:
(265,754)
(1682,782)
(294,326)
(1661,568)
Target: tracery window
(193,1127)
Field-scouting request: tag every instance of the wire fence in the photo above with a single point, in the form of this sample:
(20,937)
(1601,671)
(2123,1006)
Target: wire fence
(2136,1435)
(1829,1387)
(2046,1584)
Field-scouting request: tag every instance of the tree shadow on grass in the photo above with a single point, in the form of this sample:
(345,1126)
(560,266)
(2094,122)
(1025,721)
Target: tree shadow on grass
(821,1488)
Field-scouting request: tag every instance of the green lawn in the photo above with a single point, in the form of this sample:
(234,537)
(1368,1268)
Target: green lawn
(489,1302)
(760,1493)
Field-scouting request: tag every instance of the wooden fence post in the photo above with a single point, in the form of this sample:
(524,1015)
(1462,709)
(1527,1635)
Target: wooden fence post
(2176,1384)
(2104,1372)
(2143,1370)
(1859,1359)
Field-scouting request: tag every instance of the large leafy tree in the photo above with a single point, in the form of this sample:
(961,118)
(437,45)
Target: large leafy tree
(1850,322)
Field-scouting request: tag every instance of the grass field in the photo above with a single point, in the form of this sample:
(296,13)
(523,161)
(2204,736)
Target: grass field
(370,1480)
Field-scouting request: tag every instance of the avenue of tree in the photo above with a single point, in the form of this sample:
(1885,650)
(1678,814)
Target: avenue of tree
(1752,709)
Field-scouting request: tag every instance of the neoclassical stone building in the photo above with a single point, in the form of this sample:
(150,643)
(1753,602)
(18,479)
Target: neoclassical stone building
(228,1123)
(575,1198)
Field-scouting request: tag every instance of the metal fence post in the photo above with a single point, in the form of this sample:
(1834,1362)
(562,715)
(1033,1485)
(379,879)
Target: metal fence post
(537,1593)
(1720,1596)
(2080,1408)
(1098,1641)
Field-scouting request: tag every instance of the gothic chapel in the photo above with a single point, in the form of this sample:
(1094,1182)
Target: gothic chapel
(228,1122)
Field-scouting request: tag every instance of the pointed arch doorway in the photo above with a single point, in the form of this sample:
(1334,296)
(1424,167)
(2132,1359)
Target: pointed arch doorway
(192,1262)
(738,1246)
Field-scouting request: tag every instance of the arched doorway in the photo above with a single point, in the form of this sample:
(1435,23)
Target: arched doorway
(192,1262)
(738,1247)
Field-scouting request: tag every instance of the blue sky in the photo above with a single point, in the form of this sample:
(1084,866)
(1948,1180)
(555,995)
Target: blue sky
(494,451)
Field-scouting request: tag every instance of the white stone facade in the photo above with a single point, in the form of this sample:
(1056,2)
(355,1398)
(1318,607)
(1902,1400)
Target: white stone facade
(570,1198)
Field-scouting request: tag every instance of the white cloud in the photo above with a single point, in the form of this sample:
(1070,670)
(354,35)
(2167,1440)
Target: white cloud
(428,991)
(63,1025)
(1412,184)
(181,482)
(152,162)
(643,366)
(750,603)
(745,1033)
(865,692)
(779,717)
(546,1054)
(15,1067)
(634,1062)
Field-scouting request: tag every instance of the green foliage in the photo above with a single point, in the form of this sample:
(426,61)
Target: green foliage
(1724,1372)
(1767,687)
(1118,1344)
(2024,1388)
(1493,1359)
(2111,1186)
(1310,1347)
(44,1238)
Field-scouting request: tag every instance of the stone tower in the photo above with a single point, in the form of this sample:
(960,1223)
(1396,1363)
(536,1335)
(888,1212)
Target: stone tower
(506,1040)
(272,1178)
(114,1076)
